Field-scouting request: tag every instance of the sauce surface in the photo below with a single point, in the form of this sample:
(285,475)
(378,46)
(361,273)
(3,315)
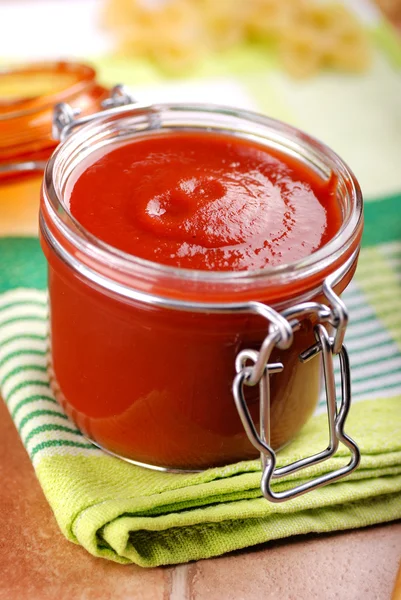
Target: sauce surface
(204,201)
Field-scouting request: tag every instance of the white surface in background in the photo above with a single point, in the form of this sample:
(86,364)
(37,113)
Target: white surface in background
(40,29)
(214,91)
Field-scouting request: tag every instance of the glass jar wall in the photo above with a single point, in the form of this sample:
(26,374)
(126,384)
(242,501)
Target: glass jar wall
(142,354)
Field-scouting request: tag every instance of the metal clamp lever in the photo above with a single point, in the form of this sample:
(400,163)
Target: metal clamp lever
(64,116)
(326,347)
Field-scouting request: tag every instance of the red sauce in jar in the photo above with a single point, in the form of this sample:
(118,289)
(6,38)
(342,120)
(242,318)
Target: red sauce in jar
(204,201)
(154,384)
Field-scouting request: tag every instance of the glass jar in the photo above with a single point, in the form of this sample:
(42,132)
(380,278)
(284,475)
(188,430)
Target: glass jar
(144,356)
(27,98)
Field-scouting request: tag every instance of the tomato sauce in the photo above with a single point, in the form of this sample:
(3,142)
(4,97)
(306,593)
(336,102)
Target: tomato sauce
(153,384)
(204,201)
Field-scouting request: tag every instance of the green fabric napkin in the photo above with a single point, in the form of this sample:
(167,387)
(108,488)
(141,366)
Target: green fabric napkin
(129,514)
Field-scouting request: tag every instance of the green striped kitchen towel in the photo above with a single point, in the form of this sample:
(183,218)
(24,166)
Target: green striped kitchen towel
(129,514)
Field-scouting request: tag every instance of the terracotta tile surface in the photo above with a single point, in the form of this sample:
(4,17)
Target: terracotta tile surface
(37,563)
(359,565)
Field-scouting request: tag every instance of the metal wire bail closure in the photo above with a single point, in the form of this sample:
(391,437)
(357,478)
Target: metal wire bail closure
(259,374)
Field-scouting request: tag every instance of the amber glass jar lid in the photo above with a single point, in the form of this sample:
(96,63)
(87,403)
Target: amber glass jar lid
(28,95)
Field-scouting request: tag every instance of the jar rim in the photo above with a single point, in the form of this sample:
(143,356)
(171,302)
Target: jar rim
(289,139)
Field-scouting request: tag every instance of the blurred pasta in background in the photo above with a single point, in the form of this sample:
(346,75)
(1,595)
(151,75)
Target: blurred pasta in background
(306,35)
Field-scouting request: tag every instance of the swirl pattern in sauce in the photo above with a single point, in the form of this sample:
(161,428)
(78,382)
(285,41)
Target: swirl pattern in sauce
(204,201)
